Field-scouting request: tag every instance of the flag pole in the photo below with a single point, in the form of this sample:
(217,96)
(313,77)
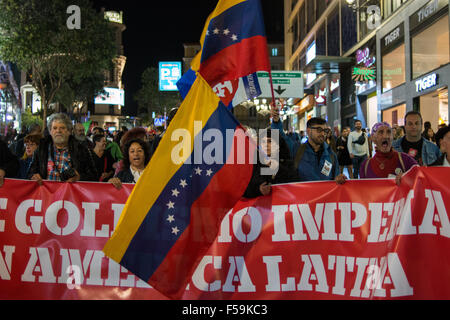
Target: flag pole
(271,89)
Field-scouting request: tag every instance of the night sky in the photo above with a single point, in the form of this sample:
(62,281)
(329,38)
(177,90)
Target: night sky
(156,31)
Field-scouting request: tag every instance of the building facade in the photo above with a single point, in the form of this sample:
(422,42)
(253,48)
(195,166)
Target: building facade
(369,59)
(414,71)
(108,113)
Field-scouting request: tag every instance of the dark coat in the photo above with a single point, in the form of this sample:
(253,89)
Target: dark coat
(8,161)
(125,176)
(286,173)
(81,159)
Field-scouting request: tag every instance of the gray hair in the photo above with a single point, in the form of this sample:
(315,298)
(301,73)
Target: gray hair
(60,117)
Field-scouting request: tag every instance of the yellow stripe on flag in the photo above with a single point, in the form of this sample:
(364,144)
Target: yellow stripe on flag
(199,105)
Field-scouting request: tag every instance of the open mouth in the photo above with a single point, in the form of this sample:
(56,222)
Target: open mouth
(385,143)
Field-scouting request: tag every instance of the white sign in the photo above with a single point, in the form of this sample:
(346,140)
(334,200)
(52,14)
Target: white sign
(394,35)
(114,16)
(426,82)
(311,52)
(113,96)
(428,10)
(286,84)
(169,74)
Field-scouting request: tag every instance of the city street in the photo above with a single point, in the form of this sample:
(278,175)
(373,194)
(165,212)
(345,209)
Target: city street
(236,150)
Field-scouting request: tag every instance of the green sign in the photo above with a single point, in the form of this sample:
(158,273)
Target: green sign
(363,74)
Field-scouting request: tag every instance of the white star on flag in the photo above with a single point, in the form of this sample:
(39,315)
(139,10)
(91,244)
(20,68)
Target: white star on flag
(175,192)
(209,172)
(216,31)
(234,37)
(170,205)
(198,171)
(183,183)
(175,230)
(170,218)
(226,32)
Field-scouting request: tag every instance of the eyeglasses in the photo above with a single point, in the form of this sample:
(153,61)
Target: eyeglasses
(320,129)
(30,144)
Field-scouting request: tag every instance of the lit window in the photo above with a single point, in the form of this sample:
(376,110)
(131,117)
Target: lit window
(274,52)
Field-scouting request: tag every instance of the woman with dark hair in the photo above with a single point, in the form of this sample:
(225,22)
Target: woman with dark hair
(31,143)
(136,156)
(103,160)
(342,152)
(428,134)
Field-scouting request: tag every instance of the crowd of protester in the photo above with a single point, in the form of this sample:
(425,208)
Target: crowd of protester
(67,153)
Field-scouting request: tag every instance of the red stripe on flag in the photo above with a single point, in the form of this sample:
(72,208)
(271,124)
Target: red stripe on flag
(236,61)
(207,212)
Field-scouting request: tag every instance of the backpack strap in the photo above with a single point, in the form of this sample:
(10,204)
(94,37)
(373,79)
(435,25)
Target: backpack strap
(299,155)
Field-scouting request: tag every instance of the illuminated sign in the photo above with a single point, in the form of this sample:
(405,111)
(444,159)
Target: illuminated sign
(113,96)
(169,74)
(311,52)
(159,122)
(334,84)
(427,12)
(113,16)
(363,57)
(393,38)
(363,74)
(365,70)
(426,82)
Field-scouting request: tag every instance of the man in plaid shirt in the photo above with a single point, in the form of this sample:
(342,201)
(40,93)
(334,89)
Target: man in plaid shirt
(60,156)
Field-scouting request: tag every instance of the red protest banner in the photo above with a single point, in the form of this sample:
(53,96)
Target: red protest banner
(366,239)
(51,241)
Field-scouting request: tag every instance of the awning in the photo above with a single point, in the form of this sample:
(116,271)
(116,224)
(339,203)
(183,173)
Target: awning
(328,64)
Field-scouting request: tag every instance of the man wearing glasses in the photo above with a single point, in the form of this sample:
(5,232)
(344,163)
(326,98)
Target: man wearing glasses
(314,160)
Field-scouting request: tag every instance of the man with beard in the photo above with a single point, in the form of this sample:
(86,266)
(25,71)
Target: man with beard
(80,135)
(414,144)
(387,162)
(60,157)
(314,160)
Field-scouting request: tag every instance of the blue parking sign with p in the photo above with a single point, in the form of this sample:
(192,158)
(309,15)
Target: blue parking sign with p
(169,74)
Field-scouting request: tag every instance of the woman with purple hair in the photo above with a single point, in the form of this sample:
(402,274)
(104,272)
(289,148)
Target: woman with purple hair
(386,163)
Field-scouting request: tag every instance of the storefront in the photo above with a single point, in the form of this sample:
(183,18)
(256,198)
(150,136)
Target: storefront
(364,77)
(414,73)
(430,50)
(305,111)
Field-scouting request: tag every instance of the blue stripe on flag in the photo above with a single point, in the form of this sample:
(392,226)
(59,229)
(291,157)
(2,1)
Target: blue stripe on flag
(155,236)
(232,26)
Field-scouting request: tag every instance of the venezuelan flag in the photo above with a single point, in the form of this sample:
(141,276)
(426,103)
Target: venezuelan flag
(200,169)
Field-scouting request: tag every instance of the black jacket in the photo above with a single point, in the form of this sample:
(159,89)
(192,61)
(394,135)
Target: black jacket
(81,159)
(286,173)
(125,176)
(8,161)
